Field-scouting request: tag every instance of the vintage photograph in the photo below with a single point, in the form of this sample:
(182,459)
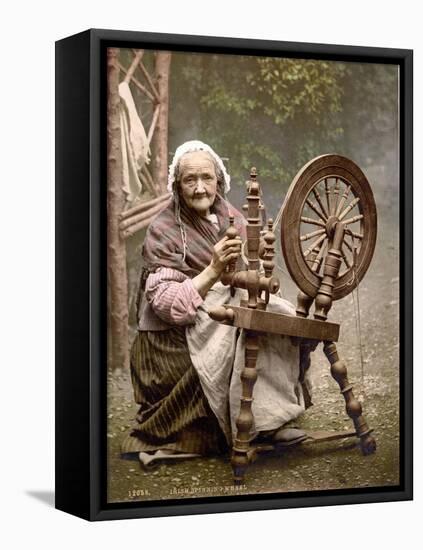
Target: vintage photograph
(252,275)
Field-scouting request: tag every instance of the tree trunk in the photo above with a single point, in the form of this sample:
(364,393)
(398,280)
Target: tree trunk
(117,307)
(160,159)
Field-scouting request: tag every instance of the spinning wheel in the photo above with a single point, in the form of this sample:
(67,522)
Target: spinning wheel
(328,190)
(328,229)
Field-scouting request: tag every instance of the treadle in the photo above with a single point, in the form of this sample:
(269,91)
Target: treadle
(322,435)
(313,436)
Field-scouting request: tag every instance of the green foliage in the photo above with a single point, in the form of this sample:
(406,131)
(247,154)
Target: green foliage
(287,88)
(278,113)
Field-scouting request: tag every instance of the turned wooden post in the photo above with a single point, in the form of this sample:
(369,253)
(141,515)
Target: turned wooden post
(353,406)
(227,275)
(303,304)
(253,239)
(323,303)
(323,300)
(269,254)
(241,452)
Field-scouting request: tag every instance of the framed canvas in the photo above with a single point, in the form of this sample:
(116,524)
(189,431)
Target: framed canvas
(233,274)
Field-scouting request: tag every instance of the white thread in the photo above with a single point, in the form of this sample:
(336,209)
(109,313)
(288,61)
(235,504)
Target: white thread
(356,305)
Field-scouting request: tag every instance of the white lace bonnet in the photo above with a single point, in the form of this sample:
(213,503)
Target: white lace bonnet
(189,147)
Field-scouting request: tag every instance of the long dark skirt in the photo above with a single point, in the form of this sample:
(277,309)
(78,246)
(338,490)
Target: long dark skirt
(174,413)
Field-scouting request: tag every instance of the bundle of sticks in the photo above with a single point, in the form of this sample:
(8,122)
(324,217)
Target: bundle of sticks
(140,216)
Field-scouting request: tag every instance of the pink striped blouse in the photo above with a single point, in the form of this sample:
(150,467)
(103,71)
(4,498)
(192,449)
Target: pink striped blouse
(170,299)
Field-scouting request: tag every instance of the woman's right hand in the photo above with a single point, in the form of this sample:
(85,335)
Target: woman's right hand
(223,252)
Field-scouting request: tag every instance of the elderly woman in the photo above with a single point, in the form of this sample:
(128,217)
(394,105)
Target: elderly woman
(185,252)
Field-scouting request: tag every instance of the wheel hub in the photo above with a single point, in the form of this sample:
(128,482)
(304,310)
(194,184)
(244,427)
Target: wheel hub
(330,226)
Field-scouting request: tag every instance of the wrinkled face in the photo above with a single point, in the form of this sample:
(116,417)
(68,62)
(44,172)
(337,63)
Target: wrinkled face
(198,181)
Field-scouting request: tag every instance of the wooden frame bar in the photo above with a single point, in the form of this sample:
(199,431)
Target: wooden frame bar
(278,323)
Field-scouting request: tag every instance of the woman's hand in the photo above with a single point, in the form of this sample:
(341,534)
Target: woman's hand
(223,252)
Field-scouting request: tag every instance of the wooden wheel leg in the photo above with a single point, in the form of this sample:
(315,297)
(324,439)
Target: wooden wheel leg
(353,406)
(242,455)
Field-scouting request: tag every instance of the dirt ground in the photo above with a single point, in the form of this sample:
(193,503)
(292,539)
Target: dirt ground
(309,466)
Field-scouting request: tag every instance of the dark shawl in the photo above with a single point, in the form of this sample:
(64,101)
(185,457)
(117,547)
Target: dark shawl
(163,243)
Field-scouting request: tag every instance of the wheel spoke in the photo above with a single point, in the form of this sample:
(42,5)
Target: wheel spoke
(317,262)
(354,219)
(347,244)
(316,242)
(319,200)
(349,208)
(316,210)
(312,221)
(343,200)
(336,197)
(327,191)
(347,262)
(308,236)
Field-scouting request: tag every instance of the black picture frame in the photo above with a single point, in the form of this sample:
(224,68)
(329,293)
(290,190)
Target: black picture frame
(81,273)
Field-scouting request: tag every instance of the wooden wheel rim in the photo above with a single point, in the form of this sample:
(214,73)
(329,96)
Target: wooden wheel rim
(325,166)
